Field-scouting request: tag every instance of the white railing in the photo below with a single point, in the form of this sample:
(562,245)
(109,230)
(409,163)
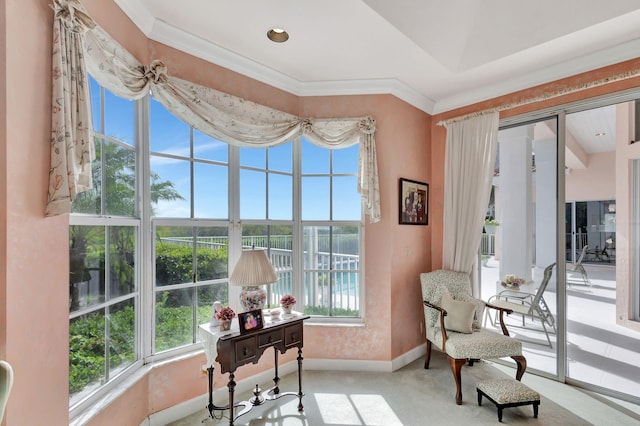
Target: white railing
(488,244)
(330,281)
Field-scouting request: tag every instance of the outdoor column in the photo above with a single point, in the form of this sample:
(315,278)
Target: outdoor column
(546,205)
(515,212)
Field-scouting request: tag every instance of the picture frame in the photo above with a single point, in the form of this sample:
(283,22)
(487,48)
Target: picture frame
(250,320)
(413,202)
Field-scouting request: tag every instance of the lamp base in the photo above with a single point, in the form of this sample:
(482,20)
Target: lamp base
(252,298)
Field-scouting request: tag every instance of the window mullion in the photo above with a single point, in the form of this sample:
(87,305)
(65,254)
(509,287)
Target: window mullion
(235,225)
(297,261)
(146,235)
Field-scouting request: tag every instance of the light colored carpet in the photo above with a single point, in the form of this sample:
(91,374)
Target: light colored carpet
(409,396)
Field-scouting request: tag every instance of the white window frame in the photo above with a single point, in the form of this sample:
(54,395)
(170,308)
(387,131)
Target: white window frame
(145,250)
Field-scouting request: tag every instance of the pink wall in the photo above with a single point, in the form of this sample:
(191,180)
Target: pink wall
(3,183)
(35,302)
(35,264)
(626,155)
(35,307)
(596,182)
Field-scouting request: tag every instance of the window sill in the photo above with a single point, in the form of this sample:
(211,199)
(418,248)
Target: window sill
(334,322)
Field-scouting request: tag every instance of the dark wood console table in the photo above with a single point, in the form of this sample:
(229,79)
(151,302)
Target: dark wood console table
(235,349)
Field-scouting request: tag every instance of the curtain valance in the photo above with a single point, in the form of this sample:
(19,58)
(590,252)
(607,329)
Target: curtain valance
(81,47)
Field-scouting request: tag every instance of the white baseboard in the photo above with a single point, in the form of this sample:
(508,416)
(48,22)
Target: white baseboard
(365,365)
(408,357)
(220,394)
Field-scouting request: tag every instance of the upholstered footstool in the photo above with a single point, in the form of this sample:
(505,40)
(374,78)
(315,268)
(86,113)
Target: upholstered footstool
(508,393)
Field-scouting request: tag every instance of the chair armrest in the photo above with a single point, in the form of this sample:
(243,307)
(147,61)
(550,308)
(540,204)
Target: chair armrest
(437,308)
(443,330)
(501,311)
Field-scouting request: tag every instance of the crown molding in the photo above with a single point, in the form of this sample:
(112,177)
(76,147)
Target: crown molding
(165,33)
(162,32)
(368,87)
(610,56)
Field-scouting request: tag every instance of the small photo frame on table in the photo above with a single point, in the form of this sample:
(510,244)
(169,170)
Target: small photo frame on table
(250,321)
(414,202)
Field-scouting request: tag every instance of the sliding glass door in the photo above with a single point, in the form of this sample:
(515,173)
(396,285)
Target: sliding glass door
(567,193)
(524,206)
(602,350)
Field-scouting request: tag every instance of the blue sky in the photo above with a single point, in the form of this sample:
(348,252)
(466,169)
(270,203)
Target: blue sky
(171,136)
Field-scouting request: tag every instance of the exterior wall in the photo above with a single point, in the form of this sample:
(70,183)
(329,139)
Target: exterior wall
(626,153)
(596,182)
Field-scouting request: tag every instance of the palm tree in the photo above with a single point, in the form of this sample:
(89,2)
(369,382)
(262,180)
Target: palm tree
(120,181)
(119,200)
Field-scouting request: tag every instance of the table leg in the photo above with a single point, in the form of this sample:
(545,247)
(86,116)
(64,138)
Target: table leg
(232,386)
(276,379)
(211,406)
(300,394)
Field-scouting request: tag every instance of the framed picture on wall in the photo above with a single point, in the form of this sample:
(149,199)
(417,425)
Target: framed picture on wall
(414,202)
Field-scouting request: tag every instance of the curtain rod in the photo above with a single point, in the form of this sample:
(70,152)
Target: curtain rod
(545,96)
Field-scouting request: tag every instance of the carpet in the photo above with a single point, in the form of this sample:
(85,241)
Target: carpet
(411,396)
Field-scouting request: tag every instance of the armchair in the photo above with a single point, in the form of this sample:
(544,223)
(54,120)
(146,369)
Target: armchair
(453,324)
(6,382)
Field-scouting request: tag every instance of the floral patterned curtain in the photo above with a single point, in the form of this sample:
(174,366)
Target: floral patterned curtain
(222,116)
(72,148)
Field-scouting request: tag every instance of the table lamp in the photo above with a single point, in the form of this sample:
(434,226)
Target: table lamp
(252,271)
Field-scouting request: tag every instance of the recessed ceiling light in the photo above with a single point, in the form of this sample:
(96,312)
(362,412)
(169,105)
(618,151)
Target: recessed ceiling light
(277,35)
(600,134)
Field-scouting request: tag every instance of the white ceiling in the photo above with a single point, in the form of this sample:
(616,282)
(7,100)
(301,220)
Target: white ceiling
(434,54)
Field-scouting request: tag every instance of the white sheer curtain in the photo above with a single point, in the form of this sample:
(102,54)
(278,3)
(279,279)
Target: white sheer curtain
(222,116)
(470,154)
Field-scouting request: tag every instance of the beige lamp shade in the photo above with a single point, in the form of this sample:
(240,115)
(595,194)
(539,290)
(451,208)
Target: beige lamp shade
(253,269)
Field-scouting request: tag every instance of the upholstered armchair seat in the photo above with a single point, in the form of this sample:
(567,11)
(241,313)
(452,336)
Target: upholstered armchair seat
(453,325)
(481,344)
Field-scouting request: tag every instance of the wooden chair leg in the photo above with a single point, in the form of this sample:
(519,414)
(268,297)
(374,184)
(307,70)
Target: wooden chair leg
(456,368)
(522,365)
(427,356)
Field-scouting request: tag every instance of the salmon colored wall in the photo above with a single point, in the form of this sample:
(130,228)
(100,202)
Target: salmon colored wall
(130,409)
(37,314)
(626,154)
(596,182)
(438,133)
(207,74)
(3,182)
(394,254)
(35,264)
